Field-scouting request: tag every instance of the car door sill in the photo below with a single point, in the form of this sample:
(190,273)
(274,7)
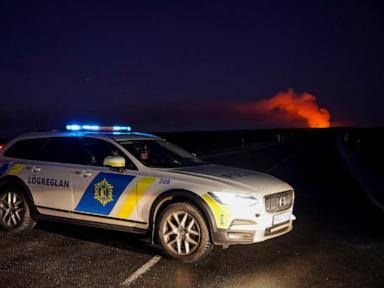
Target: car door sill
(92,223)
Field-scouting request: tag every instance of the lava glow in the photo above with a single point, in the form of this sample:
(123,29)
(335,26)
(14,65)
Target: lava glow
(293,106)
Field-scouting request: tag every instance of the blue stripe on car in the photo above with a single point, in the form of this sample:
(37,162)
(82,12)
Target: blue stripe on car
(98,202)
(3,169)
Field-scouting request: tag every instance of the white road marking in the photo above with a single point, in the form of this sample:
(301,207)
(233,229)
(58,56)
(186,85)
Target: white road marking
(133,277)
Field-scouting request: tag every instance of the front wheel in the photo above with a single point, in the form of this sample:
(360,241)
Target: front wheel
(15,213)
(183,233)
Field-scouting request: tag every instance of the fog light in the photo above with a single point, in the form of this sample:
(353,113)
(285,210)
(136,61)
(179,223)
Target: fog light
(240,236)
(243,222)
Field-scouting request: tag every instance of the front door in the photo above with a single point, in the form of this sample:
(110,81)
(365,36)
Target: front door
(104,191)
(100,190)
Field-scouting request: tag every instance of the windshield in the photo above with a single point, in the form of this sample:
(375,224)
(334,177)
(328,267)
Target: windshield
(159,153)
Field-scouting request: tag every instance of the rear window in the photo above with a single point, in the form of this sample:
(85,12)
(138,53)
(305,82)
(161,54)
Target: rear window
(28,149)
(65,150)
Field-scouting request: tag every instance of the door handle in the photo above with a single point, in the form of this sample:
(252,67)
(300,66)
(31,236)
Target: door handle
(35,169)
(84,173)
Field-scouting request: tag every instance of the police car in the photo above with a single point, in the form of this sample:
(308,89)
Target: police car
(113,178)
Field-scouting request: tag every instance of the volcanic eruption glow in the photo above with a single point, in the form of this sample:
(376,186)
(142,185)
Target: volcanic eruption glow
(293,106)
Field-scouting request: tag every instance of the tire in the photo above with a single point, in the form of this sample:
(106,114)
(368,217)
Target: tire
(15,211)
(183,233)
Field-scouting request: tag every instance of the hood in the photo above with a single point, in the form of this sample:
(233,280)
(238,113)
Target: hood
(247,179)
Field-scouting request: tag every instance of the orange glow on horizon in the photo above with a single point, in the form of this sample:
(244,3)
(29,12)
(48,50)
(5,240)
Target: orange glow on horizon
(293,105)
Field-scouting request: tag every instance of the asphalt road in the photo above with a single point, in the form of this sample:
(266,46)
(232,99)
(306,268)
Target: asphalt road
(338,239)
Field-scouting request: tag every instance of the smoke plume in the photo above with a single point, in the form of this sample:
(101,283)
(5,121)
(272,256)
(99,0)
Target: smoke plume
(289,107)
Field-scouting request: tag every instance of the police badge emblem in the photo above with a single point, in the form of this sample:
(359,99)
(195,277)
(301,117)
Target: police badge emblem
(103,192)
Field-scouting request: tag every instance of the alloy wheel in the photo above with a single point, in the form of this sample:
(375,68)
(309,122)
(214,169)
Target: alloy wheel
(12,209)
(181,233)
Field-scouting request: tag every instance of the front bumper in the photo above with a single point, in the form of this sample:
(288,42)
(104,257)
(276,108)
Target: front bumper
(250,233)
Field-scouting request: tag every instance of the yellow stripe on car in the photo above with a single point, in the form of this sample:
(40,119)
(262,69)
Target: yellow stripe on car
(134,197)
(221,213)
(15,169)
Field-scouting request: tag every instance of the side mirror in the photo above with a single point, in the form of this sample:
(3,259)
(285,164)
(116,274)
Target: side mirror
(114,162)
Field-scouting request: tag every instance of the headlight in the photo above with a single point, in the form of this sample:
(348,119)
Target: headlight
(233,198)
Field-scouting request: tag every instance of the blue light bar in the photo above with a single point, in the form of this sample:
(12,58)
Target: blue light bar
(90,127)
(121,128)
(77,127)
(73,127)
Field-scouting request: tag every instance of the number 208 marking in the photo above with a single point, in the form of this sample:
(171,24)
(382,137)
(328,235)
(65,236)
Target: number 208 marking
(165,181)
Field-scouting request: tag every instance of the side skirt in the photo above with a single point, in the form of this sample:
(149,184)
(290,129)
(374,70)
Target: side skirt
(90,223)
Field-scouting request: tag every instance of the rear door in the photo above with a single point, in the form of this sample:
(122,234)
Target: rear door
(50,178)
(49,183)
(18,155)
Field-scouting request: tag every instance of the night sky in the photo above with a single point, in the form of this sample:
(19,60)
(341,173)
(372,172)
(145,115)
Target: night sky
(175,66)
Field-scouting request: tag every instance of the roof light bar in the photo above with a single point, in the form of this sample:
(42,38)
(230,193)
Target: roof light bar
(73,127)
(90,127)
(77,127)
(121,128)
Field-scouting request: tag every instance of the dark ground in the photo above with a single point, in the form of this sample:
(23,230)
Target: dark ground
(338,239)
(368,145)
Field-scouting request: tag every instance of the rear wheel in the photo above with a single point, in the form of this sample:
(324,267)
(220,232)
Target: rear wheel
(15,212)
(183,233)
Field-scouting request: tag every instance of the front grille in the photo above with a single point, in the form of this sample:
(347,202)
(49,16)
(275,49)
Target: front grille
(279,201)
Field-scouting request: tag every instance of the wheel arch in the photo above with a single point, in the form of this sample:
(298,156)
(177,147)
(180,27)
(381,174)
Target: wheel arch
(174,196)
(14,180)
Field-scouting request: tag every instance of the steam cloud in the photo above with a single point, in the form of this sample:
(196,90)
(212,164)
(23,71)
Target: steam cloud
(293,105)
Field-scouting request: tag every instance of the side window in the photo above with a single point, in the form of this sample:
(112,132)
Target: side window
(26,149)
(66,150)
(100,149)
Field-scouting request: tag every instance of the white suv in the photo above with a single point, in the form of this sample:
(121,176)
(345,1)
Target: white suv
(139,183)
